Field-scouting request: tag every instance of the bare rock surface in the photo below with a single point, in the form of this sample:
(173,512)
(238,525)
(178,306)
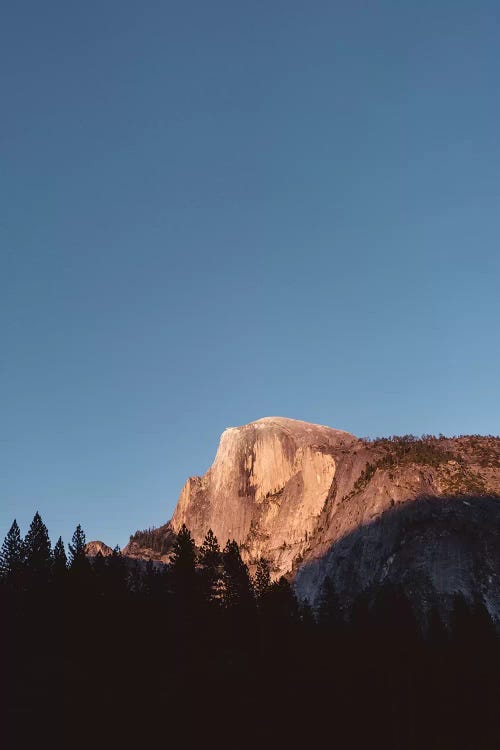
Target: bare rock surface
(93,548)
(266,489)
(316,501)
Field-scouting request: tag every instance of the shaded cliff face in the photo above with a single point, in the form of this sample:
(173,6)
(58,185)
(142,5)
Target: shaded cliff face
(435,546)
(376,526)
(266,489)
(317,501)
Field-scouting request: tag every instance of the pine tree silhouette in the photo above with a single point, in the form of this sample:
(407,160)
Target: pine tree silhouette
(12,553)
(77,547)
(210,564)
(238,591)
(79,566)
(183,569)
(37,552)
(210,554)
(184,555)
(59,560)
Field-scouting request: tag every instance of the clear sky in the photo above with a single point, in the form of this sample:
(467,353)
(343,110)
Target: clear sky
(215,211)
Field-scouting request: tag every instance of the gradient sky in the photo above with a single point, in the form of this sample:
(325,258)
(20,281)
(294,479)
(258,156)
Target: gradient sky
(216,211)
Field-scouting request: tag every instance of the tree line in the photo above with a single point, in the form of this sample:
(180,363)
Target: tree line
(204,642)
(194,579)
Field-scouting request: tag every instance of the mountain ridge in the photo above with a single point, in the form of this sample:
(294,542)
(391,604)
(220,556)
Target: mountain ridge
(291,491)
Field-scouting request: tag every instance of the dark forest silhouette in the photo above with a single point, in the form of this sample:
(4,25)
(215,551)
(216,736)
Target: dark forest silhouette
(199,647)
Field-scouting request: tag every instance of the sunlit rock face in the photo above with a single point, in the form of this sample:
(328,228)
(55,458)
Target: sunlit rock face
(93,548)
(316,501)
(267,488)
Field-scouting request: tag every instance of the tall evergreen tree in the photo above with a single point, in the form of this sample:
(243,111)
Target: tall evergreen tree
(238,591)
(210,563)
(37,551)
(210,554)
(79,565)
(183,564)
(77,548)
(59,559)
(11,554)
(184,553)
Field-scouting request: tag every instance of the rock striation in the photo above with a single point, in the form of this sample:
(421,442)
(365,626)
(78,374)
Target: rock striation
(267,488)
(317,501)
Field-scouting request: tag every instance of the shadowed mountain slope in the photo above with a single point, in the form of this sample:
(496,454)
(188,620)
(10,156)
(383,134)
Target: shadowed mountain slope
(436,547)
(304,496)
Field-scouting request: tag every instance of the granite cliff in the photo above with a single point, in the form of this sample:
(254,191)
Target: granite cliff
(317,501)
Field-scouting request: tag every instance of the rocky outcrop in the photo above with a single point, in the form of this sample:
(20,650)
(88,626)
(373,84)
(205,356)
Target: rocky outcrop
(421,511)
(93,548)
(151,544)
(316,501)
(267,488)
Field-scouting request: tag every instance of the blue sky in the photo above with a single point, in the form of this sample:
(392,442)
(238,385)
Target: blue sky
(214,212)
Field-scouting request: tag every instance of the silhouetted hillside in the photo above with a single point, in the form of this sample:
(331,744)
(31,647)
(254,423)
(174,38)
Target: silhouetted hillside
(100,652)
